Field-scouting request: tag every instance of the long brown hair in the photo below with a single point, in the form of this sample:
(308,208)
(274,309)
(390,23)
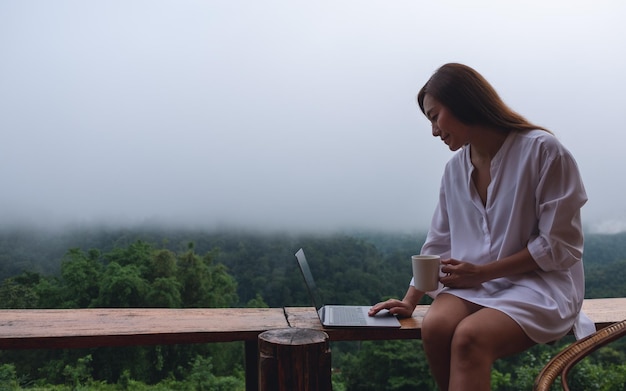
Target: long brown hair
(471,99)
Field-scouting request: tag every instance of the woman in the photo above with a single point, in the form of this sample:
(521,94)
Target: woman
(508,229)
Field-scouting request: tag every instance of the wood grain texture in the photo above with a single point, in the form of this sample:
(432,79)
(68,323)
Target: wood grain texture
(80,328)
(604,312)
(294,359)
(74,328)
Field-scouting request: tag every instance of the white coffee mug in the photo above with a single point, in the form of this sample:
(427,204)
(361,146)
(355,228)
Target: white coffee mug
(426,272)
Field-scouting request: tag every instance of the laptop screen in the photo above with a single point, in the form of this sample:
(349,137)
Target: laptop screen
(308,279)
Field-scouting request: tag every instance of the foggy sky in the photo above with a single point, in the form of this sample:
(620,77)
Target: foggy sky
(283,114)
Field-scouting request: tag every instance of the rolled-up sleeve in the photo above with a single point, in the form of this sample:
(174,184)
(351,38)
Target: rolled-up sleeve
(560,196)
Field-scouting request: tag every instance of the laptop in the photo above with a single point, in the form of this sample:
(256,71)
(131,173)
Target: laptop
(341,315)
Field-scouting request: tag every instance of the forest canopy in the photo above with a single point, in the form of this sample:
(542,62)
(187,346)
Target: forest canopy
(183,269)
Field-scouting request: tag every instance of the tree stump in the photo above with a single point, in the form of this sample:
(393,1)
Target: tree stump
(294,360)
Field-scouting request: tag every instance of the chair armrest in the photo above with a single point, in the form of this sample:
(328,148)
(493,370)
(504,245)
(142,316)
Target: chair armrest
(560,364)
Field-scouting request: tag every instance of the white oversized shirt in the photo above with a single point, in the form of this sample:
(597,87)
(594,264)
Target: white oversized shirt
(534,201)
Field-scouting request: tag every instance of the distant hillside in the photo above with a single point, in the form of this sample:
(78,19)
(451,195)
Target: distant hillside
(42,252)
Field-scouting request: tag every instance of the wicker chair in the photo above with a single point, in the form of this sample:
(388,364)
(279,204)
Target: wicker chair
(560,364)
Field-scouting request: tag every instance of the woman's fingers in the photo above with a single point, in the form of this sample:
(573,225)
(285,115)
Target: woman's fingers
(384,305)
(395,307)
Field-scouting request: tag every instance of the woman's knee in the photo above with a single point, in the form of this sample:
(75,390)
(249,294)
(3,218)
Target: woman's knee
(443,317)
(488,335)
(436,335)
(468,339)
(437,325)
(430,321)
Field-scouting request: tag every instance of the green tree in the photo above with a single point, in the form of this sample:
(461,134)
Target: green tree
(165,289)
(80,373)
(163,264)
(202,378)
(138,253)
(164,292)
(257,302)
(80,276)
(122,287)
(16,294)
(387,365)
(204,284)
(8,378)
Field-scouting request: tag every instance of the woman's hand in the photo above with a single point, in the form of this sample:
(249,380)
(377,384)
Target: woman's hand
(460,274)
(396,307)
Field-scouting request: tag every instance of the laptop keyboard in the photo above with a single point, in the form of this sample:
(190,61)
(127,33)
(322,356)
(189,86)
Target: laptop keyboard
(348,316)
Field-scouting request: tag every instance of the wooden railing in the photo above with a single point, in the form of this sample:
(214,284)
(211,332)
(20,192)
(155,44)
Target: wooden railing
(86,328)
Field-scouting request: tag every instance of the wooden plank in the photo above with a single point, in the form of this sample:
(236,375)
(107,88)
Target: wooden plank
(306,317)
(81,328)
(84,328)
(605,312)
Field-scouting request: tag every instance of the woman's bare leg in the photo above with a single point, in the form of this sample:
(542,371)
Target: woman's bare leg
(438,329)
(480,339)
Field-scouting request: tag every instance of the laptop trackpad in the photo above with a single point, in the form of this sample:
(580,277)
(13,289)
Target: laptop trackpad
(357,316)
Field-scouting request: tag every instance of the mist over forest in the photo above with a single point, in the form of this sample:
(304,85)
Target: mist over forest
(43,250)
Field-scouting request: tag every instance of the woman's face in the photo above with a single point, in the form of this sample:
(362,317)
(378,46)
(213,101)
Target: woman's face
(445,125)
